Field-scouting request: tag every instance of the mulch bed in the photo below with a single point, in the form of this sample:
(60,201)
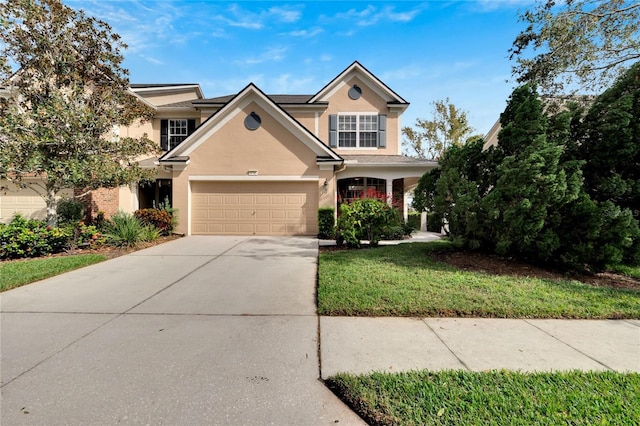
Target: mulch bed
(495,265)
(110,251)
(106,250)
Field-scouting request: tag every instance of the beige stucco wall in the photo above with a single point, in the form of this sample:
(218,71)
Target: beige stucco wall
(137,129)
(307,119)
(233,151)
(370,101)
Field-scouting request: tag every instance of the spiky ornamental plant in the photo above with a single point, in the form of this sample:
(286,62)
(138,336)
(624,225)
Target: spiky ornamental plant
(66,91)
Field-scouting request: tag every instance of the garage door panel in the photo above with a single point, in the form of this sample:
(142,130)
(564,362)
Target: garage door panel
(263,214)
(261,208)
(263,200)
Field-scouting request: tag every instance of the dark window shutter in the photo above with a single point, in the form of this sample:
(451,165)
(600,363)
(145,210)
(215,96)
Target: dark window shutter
(191,126)
(333,131)
(382,131)
(164,134)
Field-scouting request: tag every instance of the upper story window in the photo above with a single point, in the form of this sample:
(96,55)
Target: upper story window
(174,131)
(357,130)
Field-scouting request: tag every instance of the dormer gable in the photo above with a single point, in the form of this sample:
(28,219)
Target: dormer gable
(354,75)
(251,94)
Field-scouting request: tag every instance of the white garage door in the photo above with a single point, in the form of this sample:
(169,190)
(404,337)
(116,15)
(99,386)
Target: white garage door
(27,202)
(256,208)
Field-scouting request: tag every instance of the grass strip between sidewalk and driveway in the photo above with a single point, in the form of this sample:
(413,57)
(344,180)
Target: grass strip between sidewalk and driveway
(492,398)
(403,280)
(20,272)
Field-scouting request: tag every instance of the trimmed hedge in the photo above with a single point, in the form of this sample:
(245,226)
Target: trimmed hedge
(326,223)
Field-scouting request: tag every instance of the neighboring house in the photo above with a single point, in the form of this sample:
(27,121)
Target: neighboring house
(552,104)
(257,164)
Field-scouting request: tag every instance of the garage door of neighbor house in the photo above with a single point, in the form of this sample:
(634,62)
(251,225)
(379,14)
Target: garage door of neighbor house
(254,208)
(27,202)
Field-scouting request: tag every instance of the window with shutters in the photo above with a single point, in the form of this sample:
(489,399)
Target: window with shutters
(357,130)
(178,131)
(174,131)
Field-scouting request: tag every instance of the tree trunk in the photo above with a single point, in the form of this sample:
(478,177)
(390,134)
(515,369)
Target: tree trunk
(51,203)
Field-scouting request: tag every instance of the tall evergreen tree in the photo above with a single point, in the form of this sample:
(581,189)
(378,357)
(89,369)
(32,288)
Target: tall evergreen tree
(611,144)
(531,183)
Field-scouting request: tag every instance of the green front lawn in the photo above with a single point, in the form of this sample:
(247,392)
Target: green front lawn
(630,271)
(492,398)
(403,280)
(16,273)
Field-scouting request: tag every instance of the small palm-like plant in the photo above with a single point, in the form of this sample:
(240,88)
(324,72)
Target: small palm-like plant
(124,230)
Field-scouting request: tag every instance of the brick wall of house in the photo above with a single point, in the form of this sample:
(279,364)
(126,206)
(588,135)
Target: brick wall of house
(100,200)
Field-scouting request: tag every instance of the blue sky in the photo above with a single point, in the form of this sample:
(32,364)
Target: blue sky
(425,51)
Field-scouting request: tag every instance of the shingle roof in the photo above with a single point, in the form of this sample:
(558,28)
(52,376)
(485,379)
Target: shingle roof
(145,86)
(183,104)
(278,99)
(386,159)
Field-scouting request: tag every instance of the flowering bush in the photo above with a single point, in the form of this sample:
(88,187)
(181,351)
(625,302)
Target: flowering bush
(159,219)
(30,238)
(88,235)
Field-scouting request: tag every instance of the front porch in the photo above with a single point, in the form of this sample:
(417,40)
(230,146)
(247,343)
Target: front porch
(388,177)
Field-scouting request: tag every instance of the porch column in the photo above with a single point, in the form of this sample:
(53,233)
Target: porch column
(405,211)
(390,192)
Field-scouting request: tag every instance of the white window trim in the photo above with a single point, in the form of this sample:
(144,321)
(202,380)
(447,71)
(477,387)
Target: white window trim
(169,134)
(357,147)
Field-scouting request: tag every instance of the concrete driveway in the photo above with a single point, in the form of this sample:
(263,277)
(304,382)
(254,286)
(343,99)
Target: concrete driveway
(201,330)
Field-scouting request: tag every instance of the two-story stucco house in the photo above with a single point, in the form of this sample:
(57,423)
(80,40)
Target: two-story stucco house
(252,163)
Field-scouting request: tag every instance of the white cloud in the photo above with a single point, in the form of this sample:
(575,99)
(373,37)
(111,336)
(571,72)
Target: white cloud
(285,14)
(403,73)
(221,87)
(152,60)
(286,84)
(243,18)
(274,54)
(371,15)
(491,5)
(306,33)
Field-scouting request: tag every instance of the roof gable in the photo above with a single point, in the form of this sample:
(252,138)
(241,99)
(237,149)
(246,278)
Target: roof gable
(356,70)
(250,93)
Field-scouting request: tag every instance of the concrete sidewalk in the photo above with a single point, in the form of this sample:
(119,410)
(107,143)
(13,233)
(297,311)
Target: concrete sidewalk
(362,345)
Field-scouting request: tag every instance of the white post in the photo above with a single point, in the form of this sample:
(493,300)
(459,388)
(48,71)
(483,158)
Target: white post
(423,221)
(405,210)
(390,191)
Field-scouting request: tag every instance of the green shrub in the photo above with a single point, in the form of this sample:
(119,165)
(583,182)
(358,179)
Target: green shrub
(396,232)
(87,235)
(166,206)
(326,223)
(70,210)
(149,234)
(124,230)
(30,238)
(159,219)
(414,220)
(365,219)
(434,222)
